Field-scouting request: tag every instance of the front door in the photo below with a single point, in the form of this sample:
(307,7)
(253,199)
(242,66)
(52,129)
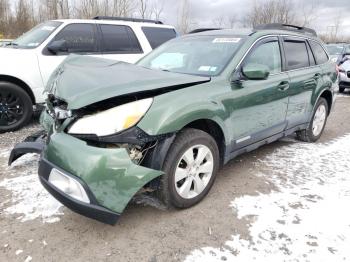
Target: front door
(80,39)
(260,106)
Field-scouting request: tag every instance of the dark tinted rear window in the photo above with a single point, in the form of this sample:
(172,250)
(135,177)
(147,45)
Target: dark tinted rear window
(157,36)
(320,54)
(119,39)
(296,54)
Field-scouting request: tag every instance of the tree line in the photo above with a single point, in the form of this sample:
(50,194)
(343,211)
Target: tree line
(18,18)
(24,14)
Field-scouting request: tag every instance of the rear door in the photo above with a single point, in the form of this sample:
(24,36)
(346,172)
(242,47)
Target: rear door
(322,60)
(304,77)
(260,106)
(119,42)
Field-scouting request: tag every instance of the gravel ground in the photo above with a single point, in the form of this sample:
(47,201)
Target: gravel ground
(262,203)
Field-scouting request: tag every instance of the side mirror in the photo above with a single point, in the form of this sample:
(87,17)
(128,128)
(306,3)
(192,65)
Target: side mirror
(58,46)
(256,71)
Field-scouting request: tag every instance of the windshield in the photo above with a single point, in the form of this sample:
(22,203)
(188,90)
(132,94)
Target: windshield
(36,36)
(196,55)
(335,49)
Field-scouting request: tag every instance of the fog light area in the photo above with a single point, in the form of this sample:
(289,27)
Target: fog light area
(68,185)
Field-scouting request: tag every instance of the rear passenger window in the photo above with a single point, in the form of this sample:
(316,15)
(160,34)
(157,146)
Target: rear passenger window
(80,38)
(119,39)
(320,54)
(296,54)
(311,56)
(157,36)
(267,54)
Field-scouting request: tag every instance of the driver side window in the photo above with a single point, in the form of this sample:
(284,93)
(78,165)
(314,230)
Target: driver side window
(267,54)
(80,38)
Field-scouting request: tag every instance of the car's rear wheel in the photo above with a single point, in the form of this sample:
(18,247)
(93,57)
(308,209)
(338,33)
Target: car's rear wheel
(16,107)
(317,124)
(341,89)
(190,168)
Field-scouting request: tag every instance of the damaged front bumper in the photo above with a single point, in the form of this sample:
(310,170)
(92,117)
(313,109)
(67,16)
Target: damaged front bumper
(109,173)
(108,176)
(90,208)
(32,144)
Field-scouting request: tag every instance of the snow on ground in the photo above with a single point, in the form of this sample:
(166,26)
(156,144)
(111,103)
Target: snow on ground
(305,219)
(27,199)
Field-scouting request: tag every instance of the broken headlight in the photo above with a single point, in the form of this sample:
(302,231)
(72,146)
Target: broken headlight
(113,120)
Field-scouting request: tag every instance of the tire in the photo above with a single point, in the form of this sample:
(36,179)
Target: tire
(310,134)
(341,89)
(187,141)
(16,108)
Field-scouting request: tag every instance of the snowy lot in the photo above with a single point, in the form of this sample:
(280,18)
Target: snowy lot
(304,217)
(283,202)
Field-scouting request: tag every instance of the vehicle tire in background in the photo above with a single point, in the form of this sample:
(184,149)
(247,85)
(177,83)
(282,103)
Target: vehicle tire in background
(16,108)
(341,89)
(190,168)
(317,124)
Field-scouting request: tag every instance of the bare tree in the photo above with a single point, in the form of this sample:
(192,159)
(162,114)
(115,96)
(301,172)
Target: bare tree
(219,22)
(22,20)
(334,29)
(123,8)
(143,8)
(271,11)
(184,20)
(231,21)
(4,17)
(88,9)
(157,9)
(308,12)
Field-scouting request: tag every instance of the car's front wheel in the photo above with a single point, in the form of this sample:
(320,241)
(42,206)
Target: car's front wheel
(317,124)
(341,89)
(16,107)
(190,168)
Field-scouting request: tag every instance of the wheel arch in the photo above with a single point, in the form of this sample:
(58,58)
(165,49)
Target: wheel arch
(213,129)
(20,83)
(327,94)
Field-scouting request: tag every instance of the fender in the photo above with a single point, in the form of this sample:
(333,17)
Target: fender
(170,113)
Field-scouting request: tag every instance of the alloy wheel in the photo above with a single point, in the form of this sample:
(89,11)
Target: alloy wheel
(194,171)
(319,120)
(11,108)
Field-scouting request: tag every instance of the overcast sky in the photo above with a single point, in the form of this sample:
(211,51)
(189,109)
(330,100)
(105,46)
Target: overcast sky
(204,12)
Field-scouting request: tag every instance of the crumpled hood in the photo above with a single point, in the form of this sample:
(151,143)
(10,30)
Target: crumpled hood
(83,80)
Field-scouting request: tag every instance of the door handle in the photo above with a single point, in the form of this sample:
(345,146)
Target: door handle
(283,86)
(317,76)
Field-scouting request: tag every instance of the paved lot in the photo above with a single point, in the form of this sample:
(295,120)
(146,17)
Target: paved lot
(285,201)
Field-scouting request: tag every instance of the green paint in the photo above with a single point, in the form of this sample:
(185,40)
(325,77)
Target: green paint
(241,107)
(110,174)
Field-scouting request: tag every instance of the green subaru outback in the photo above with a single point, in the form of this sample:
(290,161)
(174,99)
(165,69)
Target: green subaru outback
(161,129)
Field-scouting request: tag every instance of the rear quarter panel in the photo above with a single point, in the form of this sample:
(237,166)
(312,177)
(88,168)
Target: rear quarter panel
(329,79)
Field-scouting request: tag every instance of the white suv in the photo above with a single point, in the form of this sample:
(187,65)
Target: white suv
(27,63)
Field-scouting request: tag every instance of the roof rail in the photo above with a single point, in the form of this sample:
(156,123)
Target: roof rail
(199,30)
(129,19)
(294,28)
